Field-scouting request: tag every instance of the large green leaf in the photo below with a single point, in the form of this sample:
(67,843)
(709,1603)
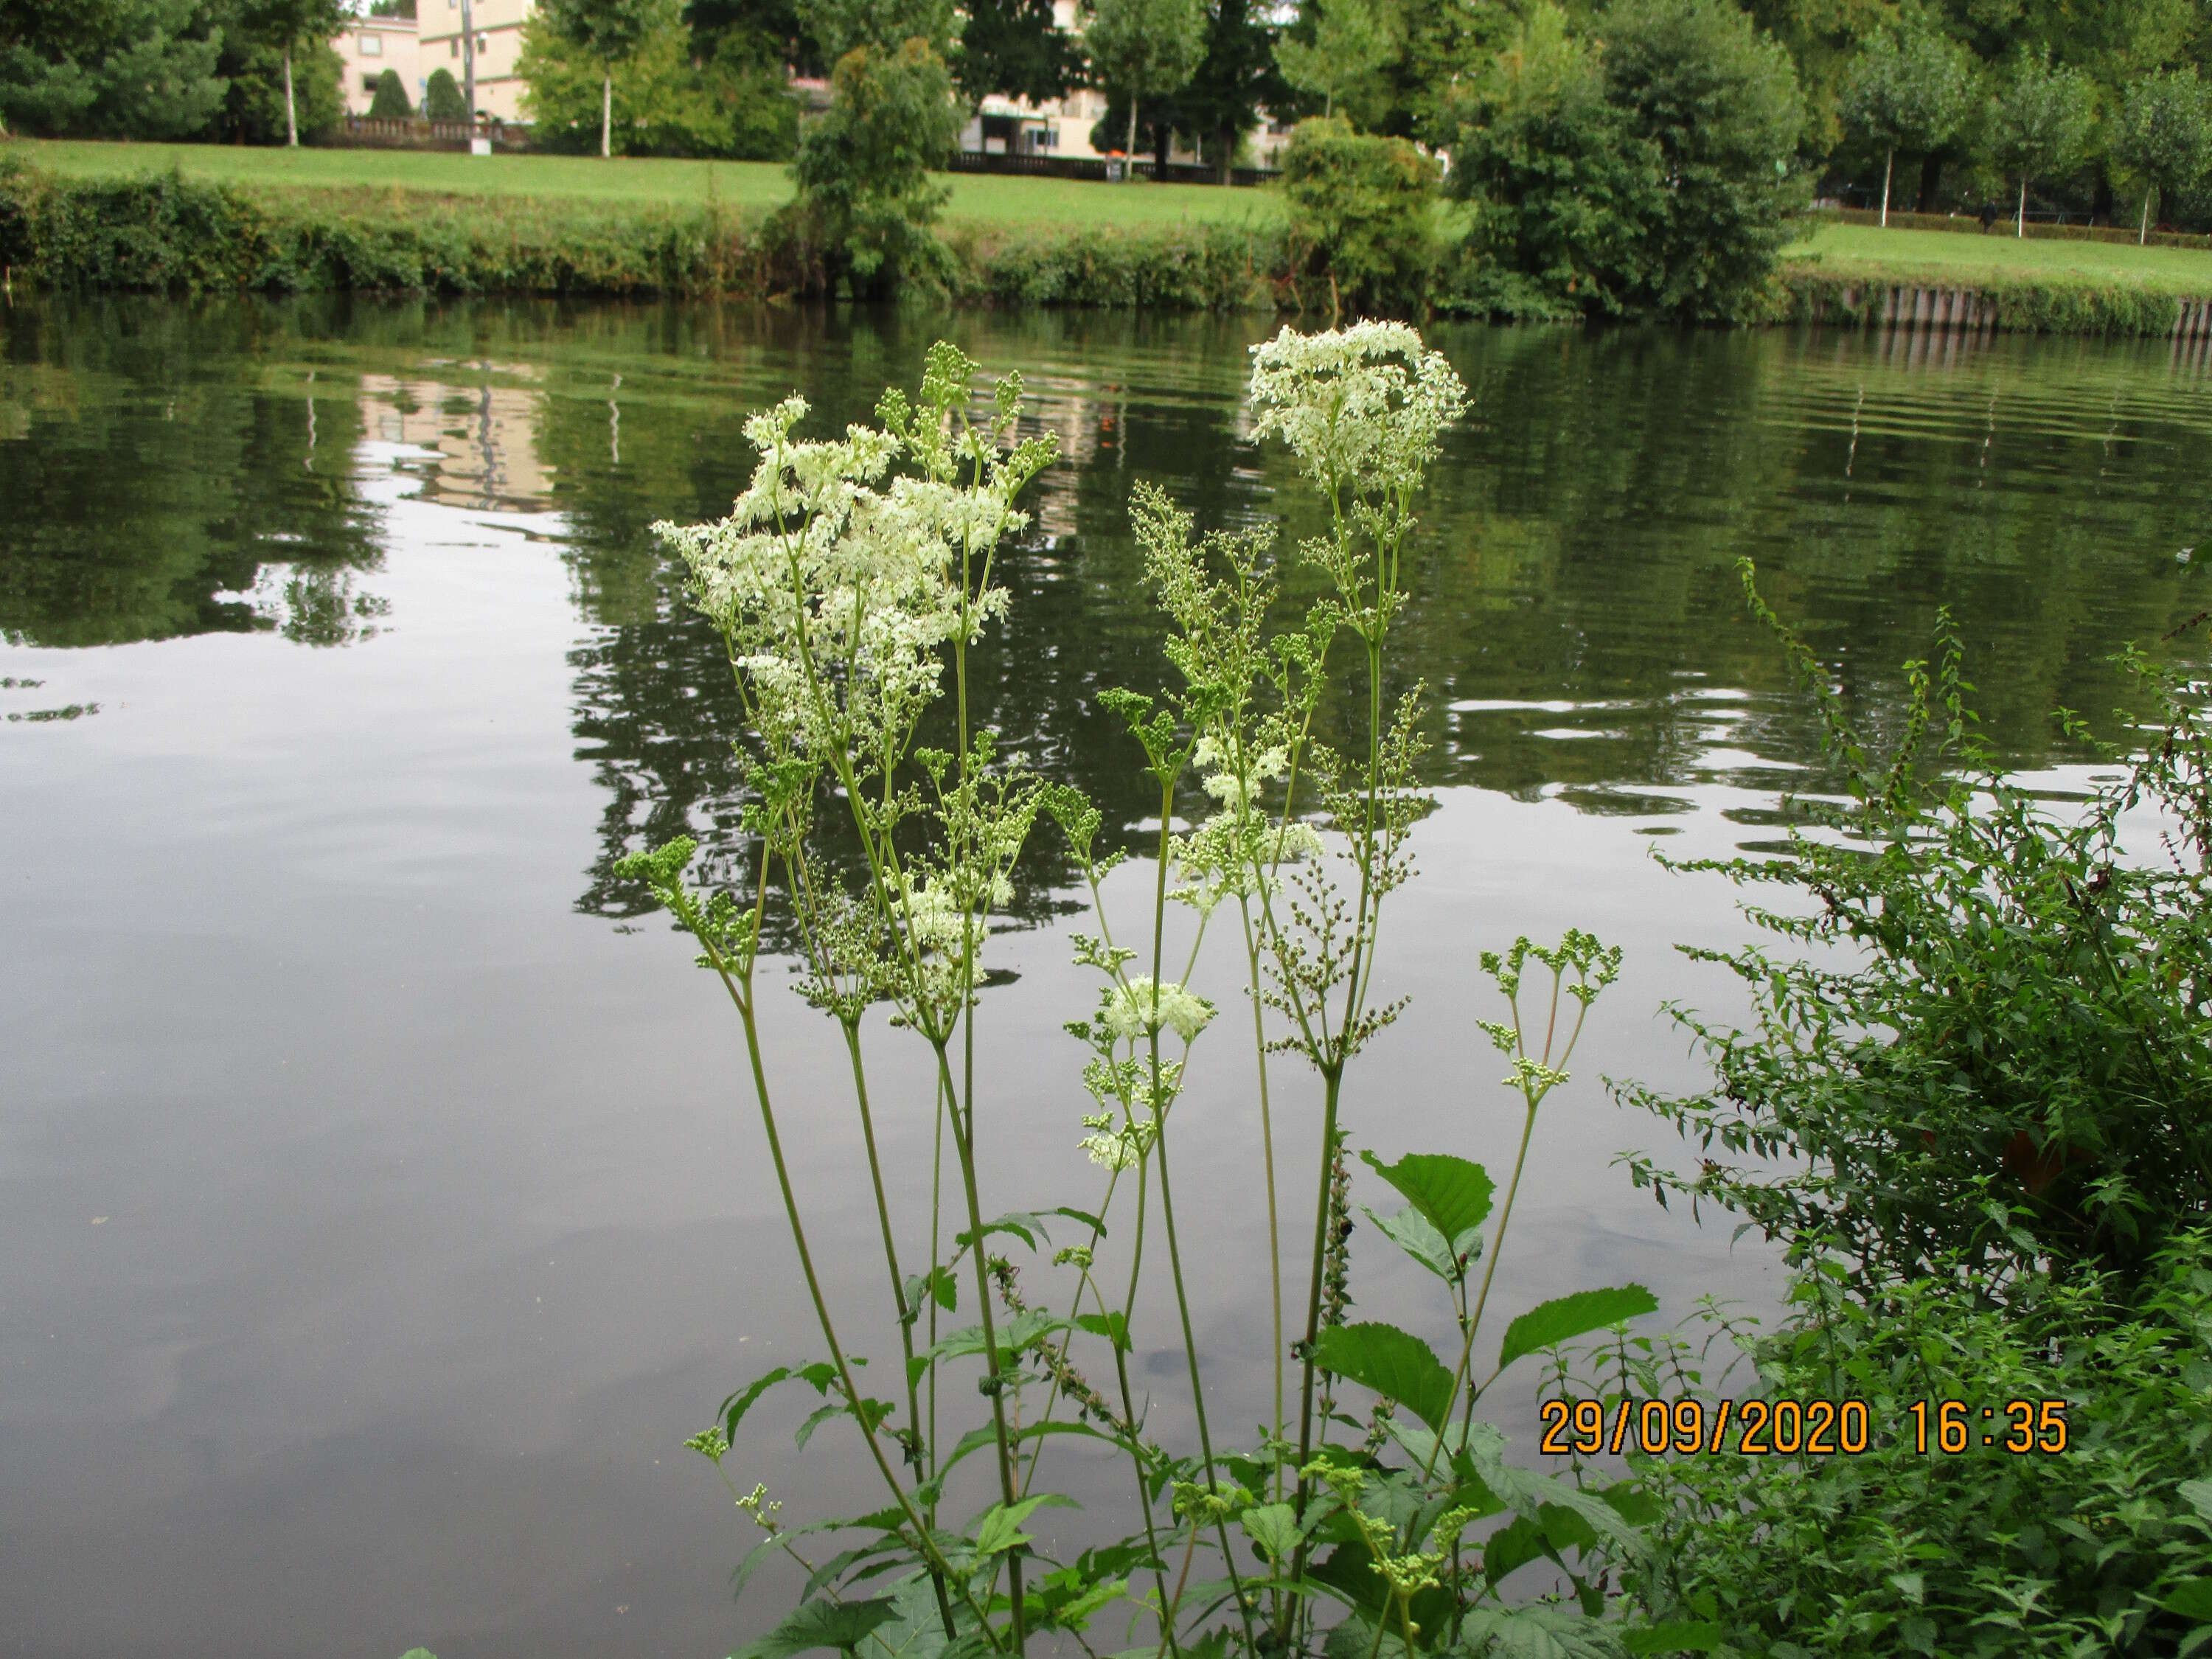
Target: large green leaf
(1679,1637)
(2193,1600)
(820,1625)
(1552,1322)
(1541,1632)
(999,1528)
(1396,1365)
(1452,1194)
(1409,1230)
(1274,1527)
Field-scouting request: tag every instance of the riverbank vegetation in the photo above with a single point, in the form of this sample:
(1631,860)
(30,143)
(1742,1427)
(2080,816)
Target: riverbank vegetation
(1644,159)
(1976,1106)
(1974,1109)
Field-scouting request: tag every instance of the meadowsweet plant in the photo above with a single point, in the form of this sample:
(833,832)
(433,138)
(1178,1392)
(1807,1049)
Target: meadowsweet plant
(849,584)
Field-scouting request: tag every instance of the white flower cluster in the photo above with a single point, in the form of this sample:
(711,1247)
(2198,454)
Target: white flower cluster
(1112,1148)
(939,919)
(836,589)
(1360,407)
(1140,1007)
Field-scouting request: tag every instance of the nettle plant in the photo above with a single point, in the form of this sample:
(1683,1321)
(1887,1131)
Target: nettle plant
(1375,1513)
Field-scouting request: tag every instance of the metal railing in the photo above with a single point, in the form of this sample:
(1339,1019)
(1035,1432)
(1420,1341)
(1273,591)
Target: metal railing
(1032,165)
(375,132)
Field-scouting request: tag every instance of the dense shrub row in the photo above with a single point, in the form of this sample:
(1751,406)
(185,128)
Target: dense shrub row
(172,235)
(1975,1102)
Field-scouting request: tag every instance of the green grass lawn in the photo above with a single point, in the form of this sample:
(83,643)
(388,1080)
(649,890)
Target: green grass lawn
(1970,259)
(983,199)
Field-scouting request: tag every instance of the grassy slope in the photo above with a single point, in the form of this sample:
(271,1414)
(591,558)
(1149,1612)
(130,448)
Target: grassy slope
(984,200)
(1967,258)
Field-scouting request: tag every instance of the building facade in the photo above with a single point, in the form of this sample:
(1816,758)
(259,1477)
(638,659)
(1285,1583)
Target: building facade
(370,46)
(1062,127)
(497,26)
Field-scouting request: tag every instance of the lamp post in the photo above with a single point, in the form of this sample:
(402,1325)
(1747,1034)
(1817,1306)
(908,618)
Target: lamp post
(469,68)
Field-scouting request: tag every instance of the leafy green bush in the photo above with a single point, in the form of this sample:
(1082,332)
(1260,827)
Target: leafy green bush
(443,99)
(1564,190)
(1981,1552)
(1184,268)
(391,103)
(867,198)
(2010,1059)
(1644,169)
(1364,210)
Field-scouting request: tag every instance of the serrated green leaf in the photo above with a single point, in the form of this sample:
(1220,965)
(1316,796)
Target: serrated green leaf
(734,1408)
(1513,1546)
(1395,1363)
(1452,1194)
(1273,1527)
(1000,1526)
(976,1439)
(2193,1600)
(1110,1325)
(1565,1317)
(1409,1230)
(1679,1636)
(1541,1632)
(815,1625)
(2198,1494)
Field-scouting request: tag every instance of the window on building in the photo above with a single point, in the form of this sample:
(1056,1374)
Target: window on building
(453,47)
(372,46)
(368,83)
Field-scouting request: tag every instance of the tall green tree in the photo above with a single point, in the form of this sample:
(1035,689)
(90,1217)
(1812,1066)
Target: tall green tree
(286,27)
(1015,48)
(2038,122)
(2164,137)
(119,69)
(607,32)
(1235,78)
(1912,94)
(1718,102)
(1337,53)
(1564,188)
(867,197)
(1142,49)
(837,26)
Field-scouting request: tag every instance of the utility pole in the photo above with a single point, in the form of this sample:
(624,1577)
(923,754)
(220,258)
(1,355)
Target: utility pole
(469,64)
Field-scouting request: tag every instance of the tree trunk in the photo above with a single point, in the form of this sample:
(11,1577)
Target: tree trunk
(2142,235)
(607,114)
(2020,221)
(1129,159)
(291,117)
(1888,162)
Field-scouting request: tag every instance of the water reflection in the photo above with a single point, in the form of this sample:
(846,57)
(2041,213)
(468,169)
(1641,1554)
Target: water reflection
(370,1231)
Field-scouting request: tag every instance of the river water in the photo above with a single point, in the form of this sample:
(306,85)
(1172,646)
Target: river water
(379,1202)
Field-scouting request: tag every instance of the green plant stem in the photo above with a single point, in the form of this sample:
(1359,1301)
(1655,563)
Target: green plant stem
(739,988)
(1129,1399)
(1482,1296)
(1267,1160)
(963,1146)
(852,1030)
